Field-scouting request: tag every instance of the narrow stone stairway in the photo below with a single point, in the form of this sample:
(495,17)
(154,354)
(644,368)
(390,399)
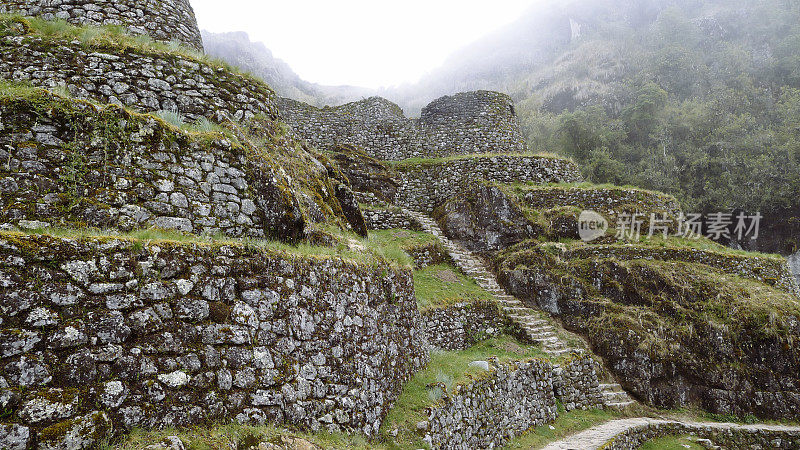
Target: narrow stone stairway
(537,324)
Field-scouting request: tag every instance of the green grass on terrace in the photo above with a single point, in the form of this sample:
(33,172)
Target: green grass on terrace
(450,368)
(672,242)
(434,161)
(350,247)
(442,285)
(672,443)
(435,286)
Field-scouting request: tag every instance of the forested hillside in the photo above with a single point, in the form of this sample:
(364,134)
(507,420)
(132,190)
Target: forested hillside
(702,103)
(700,99)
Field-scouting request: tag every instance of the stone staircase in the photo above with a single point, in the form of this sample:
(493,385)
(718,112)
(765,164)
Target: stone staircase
(536,324)
(614,396)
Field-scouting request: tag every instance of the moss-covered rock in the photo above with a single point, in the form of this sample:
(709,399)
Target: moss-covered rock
(485,219)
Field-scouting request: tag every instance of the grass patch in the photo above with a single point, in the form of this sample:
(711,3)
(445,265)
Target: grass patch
(672,443)
(442,285)
(450,368)
(347,250)
(392,244)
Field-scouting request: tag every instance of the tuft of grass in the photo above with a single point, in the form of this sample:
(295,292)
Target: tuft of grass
(173,118)
(673,443)
(204,125)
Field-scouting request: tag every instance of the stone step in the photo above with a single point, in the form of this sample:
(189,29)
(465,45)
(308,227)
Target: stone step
(559,352)
(540,329)
(619,405)
(611,397)
(545,340)
(611,387)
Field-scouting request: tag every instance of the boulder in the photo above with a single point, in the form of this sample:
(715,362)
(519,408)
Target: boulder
(485,219)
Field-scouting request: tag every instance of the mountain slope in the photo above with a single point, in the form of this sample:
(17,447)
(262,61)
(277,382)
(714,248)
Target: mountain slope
(236,49)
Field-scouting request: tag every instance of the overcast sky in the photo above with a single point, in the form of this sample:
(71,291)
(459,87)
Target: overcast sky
(370,43)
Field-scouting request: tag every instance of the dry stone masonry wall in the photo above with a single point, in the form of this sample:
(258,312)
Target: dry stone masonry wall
(610,202)
(466,123)
(771,271)
(102,333)
(463,325)
(165,20)
(148,81)
(426,185)
(508,400)
(723,435)
(389,218)
(75,164)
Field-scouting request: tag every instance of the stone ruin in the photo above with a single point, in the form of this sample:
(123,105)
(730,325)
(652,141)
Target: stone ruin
(99,335)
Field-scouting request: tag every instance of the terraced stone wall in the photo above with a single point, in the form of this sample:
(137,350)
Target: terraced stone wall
(134,78)
(794,266)
(506,401)
(460,326)
(772,271)
(103,333)
(389,218)
(467,123)
(609,202)
(428,255)
(426,185)
(165,20)
(723,435)
(70,163)
(472,123)
(577,384)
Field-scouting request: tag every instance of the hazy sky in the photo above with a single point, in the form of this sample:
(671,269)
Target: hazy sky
(370,43)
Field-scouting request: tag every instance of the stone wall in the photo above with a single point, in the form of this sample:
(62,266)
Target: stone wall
(149,81)
(472,123)
(460,326)
(794,266)
(388,218)
(71,163)
(508,400)
(609,202)
(165,20)
(772,271)
(102,332)
(467,123)
(428,254)
(428,184)
(725,435)
(504,403)
(577,385)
